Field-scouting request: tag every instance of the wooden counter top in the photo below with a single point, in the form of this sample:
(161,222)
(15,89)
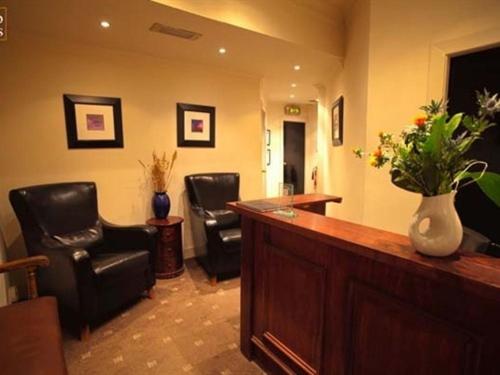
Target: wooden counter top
(325,296)
(483,272)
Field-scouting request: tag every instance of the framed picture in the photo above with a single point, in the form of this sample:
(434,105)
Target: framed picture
(268,137)
(268,157)
(93,121)
(338,122)
(195,125)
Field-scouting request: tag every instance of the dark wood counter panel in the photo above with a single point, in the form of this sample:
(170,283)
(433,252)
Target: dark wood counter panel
(325,296)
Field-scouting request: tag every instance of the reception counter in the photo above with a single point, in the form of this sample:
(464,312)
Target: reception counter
(325,296)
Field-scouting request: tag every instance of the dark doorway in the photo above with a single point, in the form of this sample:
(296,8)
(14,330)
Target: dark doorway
(294,155)
(470,73)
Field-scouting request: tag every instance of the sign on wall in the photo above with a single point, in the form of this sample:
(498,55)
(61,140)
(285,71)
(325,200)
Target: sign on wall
(292,110)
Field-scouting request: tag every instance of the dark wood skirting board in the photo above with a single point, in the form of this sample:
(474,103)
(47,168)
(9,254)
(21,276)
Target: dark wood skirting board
(324,296)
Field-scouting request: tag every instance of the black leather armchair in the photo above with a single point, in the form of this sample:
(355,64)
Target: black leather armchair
(95,267)
(208,194)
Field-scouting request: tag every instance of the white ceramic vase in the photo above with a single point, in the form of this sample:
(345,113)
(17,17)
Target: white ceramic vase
(443,233)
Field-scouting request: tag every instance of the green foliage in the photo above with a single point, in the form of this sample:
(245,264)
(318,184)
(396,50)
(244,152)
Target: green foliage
(434,108)
(429,155)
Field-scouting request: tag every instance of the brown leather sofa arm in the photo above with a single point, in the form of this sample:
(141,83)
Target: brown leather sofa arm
(30,264)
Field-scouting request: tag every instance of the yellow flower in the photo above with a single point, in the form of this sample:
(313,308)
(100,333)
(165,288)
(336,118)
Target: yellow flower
(373,161)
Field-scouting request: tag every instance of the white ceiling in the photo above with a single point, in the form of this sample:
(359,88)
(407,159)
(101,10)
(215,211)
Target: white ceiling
(247,52)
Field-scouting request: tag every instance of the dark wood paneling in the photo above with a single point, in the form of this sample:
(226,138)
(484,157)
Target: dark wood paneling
(382,330)
(322,296)
(247,285)
(295,300)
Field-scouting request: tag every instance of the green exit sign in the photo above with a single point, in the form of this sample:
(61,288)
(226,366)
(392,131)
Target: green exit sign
(292,110)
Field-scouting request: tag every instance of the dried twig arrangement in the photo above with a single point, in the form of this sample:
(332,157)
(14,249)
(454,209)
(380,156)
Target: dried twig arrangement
(160,171)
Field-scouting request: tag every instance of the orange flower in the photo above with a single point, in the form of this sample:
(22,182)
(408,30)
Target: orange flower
(377,153)
(420,121)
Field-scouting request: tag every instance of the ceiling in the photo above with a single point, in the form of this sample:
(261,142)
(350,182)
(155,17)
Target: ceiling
(326,7)
(248,52)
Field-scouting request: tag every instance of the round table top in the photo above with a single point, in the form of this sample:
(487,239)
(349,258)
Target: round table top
(170,220)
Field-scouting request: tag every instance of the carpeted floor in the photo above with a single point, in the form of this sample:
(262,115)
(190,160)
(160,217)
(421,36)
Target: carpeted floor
(189,328)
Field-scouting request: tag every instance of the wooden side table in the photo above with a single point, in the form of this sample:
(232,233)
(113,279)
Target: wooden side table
(169,257)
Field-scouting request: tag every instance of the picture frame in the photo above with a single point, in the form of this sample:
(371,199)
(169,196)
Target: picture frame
(268,137)
(195,125)
(93,121)
(268,157)
(338,122)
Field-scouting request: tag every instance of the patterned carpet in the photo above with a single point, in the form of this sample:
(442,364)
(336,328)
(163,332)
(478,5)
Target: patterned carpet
(189,328)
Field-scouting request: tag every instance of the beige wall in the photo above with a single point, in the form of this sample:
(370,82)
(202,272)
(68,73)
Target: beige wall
(344,173)
(275,117)
(395,54)
(401,40)
(37,72)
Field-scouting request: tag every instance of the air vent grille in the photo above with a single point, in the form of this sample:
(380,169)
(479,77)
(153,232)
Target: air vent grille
(172,31)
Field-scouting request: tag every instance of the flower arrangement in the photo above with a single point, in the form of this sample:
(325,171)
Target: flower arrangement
(160,171)
(430,156)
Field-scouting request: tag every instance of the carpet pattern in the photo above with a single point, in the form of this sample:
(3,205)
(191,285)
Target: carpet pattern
(189,327)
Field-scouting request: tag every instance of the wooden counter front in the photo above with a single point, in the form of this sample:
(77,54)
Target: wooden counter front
(325,296)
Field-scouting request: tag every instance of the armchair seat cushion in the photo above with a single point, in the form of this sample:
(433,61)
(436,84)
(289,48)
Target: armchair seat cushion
(31,338)
(231,239)
(109,267)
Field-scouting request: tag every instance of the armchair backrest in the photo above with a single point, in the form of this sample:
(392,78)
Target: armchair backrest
(211,191)
(58,214)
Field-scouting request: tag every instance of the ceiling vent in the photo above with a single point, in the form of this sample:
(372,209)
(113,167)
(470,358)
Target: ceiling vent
(172,31)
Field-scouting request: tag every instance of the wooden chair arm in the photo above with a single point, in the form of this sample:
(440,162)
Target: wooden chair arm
(30,264)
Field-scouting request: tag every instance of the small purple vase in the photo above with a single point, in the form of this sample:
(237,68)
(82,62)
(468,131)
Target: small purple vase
(161,205)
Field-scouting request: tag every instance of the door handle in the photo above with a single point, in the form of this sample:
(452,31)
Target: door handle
(284,163)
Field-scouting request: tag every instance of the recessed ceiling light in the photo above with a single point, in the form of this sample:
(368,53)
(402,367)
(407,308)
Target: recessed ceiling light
(293,85)
(292,96)
(296,67)
(105,24)
(222,50)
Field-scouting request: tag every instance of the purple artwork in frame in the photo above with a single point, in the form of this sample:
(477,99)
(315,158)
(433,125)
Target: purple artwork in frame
(197,126)
(95,122)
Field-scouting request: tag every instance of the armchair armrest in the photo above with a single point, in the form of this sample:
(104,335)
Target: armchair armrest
(70,278)
(30,264)
(134,237)
(221,219)
(27,263)
(198,211)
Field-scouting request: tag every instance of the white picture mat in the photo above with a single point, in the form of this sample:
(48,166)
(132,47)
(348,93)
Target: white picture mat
(83,134)
(189,135)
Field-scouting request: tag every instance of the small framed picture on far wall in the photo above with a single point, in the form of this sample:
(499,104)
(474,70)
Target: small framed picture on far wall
(195,125)
(338,122)
(93,121)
